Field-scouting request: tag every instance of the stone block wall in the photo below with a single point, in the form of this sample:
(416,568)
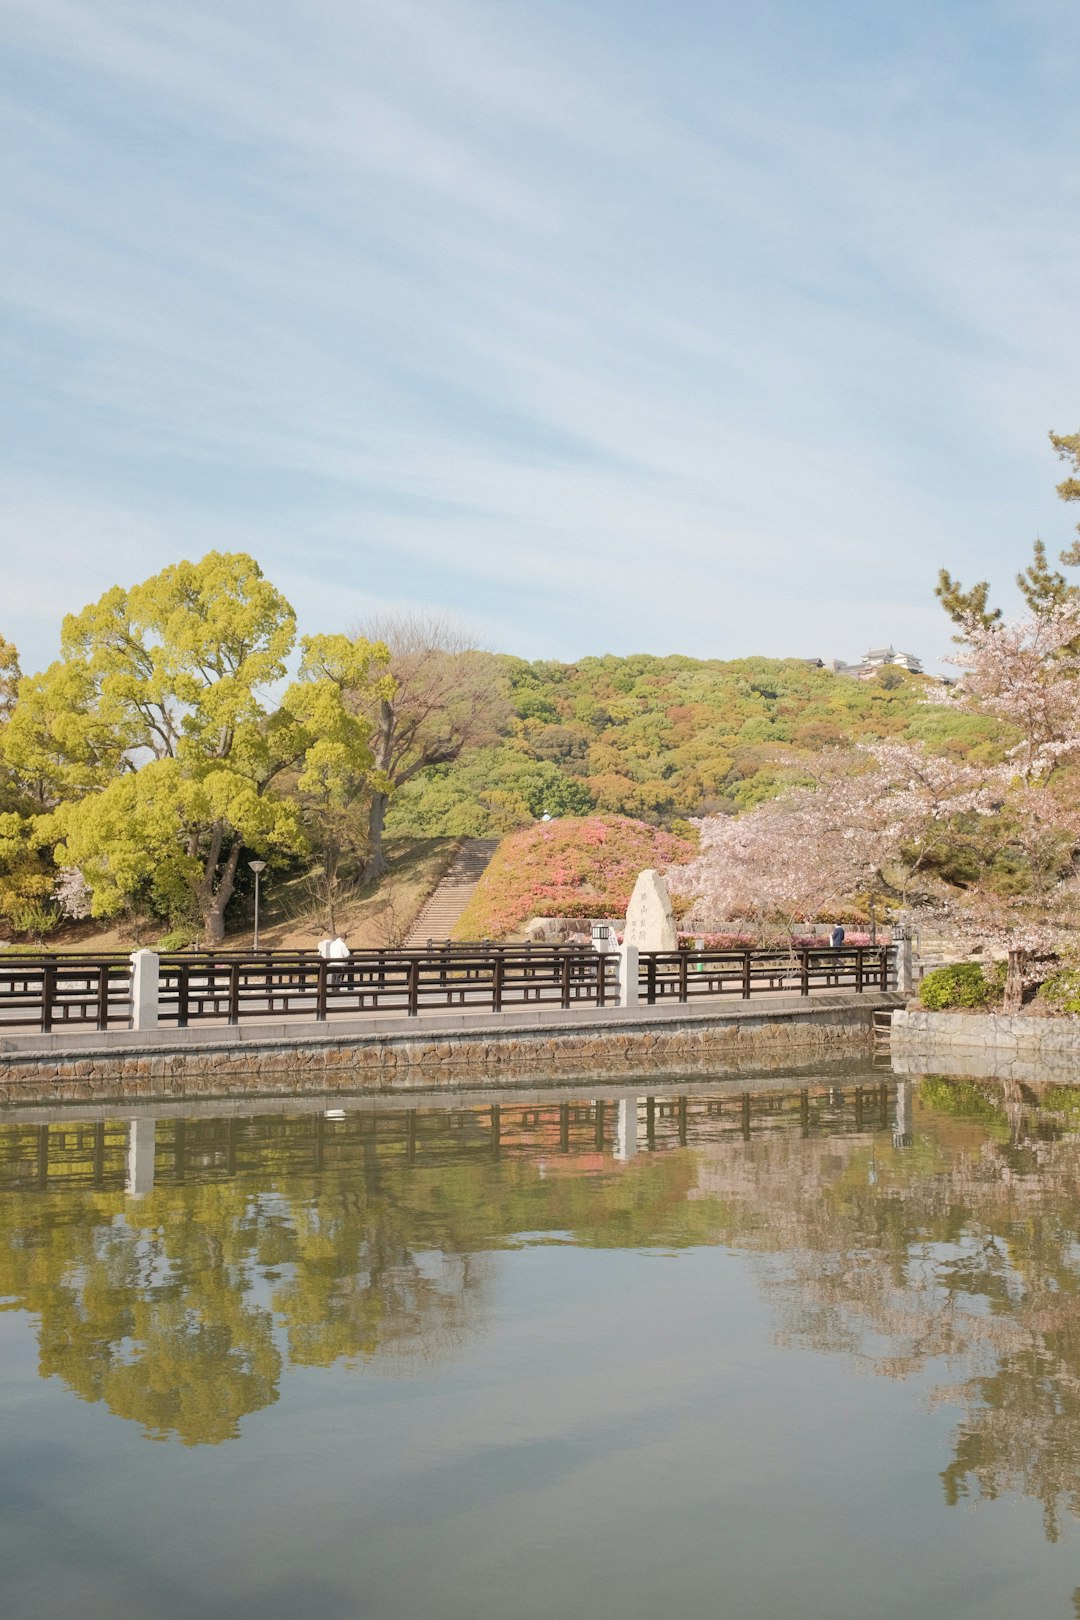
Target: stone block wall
(985,1032)
(421,1061)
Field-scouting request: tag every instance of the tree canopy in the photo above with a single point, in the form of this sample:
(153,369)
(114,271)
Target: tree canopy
(151,754)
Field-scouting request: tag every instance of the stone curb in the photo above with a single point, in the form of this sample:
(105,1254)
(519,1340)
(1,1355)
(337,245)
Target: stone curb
(423,1057)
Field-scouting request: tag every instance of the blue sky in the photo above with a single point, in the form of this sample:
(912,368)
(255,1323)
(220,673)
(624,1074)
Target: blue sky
(691,327)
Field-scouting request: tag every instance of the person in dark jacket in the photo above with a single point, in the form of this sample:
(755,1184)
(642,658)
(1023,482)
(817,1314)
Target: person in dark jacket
(836,938)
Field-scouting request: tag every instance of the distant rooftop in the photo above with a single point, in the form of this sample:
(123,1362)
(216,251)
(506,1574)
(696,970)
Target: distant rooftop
(877,658)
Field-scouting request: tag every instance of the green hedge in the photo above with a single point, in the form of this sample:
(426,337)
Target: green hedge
(961,984)
(1061,990)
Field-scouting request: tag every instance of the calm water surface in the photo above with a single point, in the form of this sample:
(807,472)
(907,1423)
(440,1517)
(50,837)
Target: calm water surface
(810,1352)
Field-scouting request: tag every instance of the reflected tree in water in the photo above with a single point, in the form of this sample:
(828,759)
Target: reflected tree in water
(181,1309)
(963,1255)
(960,1254)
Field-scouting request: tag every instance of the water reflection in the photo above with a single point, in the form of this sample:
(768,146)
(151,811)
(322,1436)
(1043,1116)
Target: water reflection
(177,1268)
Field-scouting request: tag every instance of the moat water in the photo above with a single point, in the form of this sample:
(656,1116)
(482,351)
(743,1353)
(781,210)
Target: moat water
(806,1349)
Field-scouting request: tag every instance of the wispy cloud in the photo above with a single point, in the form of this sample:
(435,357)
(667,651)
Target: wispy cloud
(715,330)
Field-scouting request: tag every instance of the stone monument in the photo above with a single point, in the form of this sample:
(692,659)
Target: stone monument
(650,920)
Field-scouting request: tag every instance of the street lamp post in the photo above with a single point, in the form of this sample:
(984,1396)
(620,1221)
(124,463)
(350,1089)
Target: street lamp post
(258,867)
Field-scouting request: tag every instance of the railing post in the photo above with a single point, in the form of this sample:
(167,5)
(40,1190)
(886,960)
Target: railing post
(804,972)
(564,982)
(414,987)
(746,980)
(234,992)
(320,990)
(601,986)
(48,996)
(683,991)
(183,990)
(103,995)
(884,966)
(497,984)
(858,969)
(145,982)
(650,980)
(905,968)
(628,976)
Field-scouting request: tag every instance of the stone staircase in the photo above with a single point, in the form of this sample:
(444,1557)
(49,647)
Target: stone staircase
(436,921)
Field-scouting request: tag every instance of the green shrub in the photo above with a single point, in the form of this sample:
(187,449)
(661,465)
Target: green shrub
(179,939)
(1061,990)
(33,917)
(961,984)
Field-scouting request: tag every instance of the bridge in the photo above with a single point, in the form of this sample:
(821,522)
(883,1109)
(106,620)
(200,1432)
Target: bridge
(44,994)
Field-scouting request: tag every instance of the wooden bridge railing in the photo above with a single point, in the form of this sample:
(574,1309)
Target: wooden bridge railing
(41,993)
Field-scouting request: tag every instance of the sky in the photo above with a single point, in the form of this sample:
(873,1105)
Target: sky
(603,326)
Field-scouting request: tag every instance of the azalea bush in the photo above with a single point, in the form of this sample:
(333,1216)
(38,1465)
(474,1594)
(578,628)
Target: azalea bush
(577,866)
(739,942)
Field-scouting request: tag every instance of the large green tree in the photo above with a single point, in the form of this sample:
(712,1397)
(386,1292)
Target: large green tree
(27,875)
(174,674)
(152,751)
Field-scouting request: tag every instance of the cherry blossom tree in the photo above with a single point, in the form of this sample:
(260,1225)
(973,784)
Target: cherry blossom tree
(821,842)
(73,894)
(882,816)
(1026,674)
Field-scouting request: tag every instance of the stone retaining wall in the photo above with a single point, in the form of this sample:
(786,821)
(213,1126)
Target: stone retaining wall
(990,1045)
(423,1060)
(993,1033)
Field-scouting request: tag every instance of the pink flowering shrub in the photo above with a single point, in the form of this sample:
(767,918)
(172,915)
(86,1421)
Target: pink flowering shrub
(739,942)
(576,866)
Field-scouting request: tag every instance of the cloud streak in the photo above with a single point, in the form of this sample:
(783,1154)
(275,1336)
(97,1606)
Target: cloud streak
(710,332)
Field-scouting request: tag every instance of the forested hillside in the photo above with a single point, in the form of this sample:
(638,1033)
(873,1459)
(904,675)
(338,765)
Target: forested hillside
(663,739)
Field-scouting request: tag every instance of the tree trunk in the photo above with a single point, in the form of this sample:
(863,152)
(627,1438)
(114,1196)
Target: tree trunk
(1013,1096)
(1013,999)
(331,863)
(215,900)
(375,864)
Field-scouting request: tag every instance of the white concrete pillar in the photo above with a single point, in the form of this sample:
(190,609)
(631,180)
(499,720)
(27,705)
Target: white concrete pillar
(626,1128)
(628,976)
(145,966)
(905,973)
(140,1157)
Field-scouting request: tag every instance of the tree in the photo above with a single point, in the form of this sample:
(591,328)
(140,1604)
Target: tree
(1067,446)
(341,678)
(1027,675)
(26,869)
(1041,586)
(445,696)
(10,675)
(150,744)
(868,819)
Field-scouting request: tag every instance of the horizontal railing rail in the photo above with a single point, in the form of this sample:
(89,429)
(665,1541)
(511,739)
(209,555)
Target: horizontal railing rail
(45,992)
(39,993)
(687,973)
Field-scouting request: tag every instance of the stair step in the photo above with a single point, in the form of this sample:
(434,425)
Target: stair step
(450,898)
